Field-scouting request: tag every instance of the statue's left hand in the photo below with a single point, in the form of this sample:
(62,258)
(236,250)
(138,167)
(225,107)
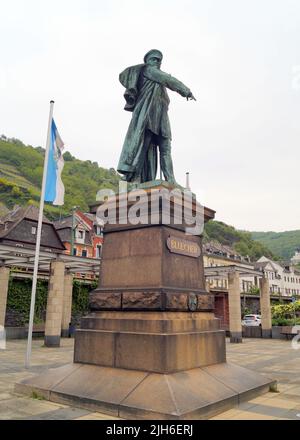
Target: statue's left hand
(190,97)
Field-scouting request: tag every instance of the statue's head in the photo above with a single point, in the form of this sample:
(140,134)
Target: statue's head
(153,58)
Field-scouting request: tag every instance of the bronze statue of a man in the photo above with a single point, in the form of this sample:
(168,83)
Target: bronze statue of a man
(146,96)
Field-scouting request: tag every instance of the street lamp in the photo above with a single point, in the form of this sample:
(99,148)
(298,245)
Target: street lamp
(73,229)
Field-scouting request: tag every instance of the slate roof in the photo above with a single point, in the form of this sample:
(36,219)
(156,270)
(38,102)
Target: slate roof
(14,217)
(218,248)
(10,231)
(65,222)
(263,264)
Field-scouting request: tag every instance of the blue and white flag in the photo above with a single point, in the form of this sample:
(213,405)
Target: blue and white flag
(55,190)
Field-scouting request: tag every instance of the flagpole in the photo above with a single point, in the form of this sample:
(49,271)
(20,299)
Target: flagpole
(38,241)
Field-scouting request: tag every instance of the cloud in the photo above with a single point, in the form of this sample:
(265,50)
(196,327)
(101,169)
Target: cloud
(239,140)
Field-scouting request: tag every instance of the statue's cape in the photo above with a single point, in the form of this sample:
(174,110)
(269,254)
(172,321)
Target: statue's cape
(129,79)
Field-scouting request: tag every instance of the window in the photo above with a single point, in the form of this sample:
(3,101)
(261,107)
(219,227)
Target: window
(98,230)
(33,230)
(74,251)
(98,251)
(84,253)
(80,234)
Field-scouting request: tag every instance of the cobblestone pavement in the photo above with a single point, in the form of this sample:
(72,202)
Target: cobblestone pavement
(275,358)
(278,360)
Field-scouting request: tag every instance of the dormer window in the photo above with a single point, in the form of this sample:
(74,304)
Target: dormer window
(98,230)
(80,235)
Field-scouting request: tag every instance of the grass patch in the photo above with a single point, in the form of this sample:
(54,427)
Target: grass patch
(274,388)
(35,395)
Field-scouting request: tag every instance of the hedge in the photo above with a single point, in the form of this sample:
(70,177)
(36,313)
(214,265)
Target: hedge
(19,297)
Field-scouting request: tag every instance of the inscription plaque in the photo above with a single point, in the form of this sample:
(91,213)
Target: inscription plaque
(183,247)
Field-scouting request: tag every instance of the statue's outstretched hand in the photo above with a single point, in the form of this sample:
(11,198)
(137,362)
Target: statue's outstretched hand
(190,97)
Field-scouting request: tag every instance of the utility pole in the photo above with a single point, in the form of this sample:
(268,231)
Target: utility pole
(73,229)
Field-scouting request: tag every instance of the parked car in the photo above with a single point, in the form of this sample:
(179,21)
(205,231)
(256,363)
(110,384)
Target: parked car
(252,320)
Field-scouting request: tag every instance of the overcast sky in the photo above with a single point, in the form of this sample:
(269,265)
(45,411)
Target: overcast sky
(241,59)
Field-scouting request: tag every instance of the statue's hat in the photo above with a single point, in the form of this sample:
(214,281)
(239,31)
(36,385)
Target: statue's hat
(153,52)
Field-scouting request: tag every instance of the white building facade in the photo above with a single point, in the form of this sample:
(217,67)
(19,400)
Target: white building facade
(284,279)
(296,258)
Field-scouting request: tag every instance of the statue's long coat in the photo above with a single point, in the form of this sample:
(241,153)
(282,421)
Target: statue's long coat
(147,98)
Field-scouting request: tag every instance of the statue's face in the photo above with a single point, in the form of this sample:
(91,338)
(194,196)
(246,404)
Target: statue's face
(154,61)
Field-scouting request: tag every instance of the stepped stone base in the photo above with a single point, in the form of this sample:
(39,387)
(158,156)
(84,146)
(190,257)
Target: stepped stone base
(149,365)
(156,342)
(131,394)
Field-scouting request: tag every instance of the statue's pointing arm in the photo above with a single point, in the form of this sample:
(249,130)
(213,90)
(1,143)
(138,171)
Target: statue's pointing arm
(168,81)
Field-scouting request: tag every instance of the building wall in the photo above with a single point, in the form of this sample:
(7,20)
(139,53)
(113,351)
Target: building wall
(222,309)
(97,241)
(246,282)
(287,283)
(89,242)
(79,248)
(282,282)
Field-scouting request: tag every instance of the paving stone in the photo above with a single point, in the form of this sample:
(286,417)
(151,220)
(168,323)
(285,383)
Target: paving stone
(97,416)
(293,414)
(249,416)
(5,396)
(59,414)
(281,403)
(272,357)
(267,410)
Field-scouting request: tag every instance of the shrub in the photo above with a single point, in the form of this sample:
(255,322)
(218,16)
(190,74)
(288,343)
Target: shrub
(285,310)
(284,321)
(19,297)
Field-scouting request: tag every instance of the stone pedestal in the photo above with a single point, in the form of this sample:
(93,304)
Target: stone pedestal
(265,307)
(151,347)
(151,309)
(139,272)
